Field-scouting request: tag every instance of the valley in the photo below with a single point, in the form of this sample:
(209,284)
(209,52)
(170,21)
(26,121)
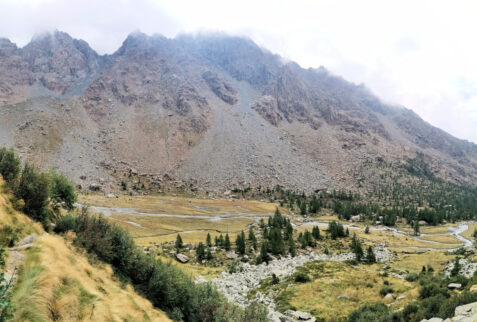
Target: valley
(336,287)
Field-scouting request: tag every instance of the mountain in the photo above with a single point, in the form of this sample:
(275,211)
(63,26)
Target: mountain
(209,112)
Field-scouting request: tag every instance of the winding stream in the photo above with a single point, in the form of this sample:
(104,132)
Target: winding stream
(221,215)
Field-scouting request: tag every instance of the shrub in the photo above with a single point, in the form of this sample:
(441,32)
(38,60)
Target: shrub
(301,277)
(62,191)
(412,277)
(65,223)
(9,165)
(371,312)
(386,289)
(6,306)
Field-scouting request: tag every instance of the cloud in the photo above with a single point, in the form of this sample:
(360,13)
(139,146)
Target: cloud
(420,54)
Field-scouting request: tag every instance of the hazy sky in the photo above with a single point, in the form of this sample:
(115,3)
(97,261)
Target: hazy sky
(420,54)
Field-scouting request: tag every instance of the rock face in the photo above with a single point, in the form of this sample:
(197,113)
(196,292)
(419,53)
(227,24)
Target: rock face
(236,286)
(217,112)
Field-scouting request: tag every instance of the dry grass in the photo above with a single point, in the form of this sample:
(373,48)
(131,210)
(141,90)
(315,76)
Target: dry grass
(57,283)
(332,279)
(182,205)
(155,229)
(448,239)
(415,261)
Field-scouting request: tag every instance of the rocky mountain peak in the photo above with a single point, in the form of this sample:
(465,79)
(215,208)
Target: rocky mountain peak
(7,47)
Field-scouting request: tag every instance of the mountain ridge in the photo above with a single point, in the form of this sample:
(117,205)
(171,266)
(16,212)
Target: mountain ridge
(209,112)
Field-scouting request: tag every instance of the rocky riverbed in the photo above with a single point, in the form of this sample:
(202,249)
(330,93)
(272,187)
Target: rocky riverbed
(236,286)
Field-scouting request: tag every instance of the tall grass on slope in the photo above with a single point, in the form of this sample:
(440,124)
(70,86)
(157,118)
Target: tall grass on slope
(56,283)
(164,284)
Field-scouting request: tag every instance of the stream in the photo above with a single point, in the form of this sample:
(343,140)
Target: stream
(453,231)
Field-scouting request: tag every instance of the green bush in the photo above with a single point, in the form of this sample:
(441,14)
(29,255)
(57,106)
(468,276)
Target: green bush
(301,277)
(377,312)
(9,165)
(386,289)
(65,223)
(62,191)
(6,306)
(412,277)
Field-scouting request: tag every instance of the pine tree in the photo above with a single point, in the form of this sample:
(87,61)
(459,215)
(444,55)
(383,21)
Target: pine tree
(291,247)
(416,227)
(366,230)
(208,255)
(216,241)
(276,241)
(288,230)
(221,240)
(240,243)
(357,248)
(316,232)
(179,243)
(252,238)
(227,243)
(208,240)
(263,257)
(370,257)
(456,269)
(200,251)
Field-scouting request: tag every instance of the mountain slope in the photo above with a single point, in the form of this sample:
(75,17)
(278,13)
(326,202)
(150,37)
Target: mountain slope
(56,282)
(208,111)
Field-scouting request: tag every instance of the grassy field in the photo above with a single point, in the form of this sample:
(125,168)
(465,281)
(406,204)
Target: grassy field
(330,280)
(224,216)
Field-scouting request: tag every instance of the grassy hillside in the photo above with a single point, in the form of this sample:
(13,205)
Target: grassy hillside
(56,282)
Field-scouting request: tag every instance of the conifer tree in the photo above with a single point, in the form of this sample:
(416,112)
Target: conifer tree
(370,257)
(200,251)
(240,243)
(179,242)
(263,257)
(316,232)
(227,243)
(208,240)
(252,238)
(291,247)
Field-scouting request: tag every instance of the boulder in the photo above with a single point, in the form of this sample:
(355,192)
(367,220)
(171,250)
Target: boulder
(110,195)
(182,258)
(454,286)
(30,239)
(343,297)
(468,312)
(388,296)
(231,255)
(355,218)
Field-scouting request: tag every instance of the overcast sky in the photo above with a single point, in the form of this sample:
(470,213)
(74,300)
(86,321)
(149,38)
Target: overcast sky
(420,54)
